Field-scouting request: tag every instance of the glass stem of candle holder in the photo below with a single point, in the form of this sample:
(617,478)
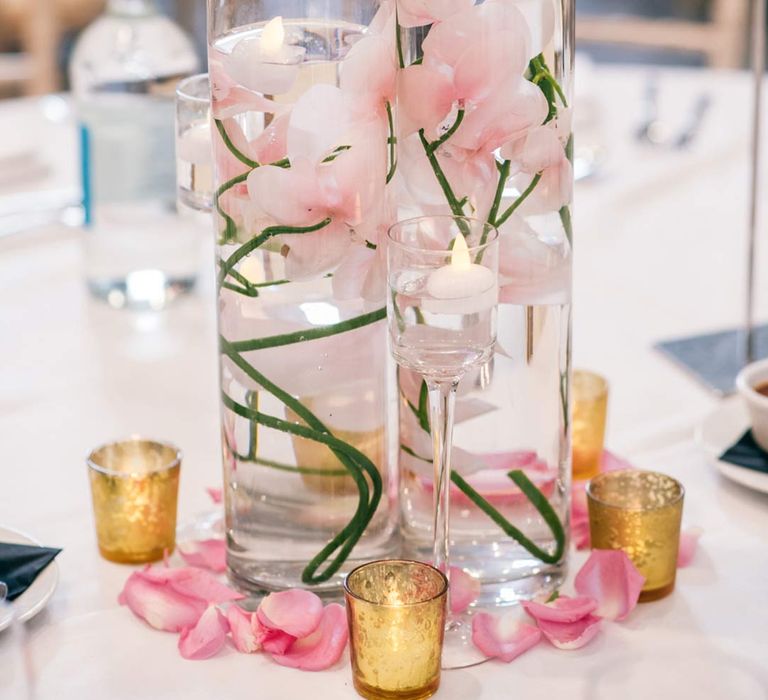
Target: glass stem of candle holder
(442,399)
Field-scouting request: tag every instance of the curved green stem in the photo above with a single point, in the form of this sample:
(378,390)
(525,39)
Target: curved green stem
(275,341)
(232,148)
(539,501)
(523,196)
(392,141)
(450,132)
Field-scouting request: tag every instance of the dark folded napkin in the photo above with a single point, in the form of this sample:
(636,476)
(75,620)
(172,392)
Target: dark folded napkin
(747,453)
(20,565)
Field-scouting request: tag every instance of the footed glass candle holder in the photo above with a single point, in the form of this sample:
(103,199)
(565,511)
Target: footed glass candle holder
(135,484)
(640,513)
(396,613)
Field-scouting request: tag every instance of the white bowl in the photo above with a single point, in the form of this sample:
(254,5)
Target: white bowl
(751,376)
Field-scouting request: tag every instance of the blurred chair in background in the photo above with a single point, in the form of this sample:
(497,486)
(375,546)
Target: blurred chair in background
(35,28)
(720,39)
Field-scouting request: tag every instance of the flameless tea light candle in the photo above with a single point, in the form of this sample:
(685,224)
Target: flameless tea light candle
(134,485)
(396,613)
(461,286)
(639,512)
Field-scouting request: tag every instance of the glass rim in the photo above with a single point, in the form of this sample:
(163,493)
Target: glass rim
(173,462)
(443,590)
(493,237)
(591,495)
(183,84)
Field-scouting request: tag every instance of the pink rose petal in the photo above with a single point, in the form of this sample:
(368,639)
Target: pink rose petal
(563,609)
(323,648)
(689,541)
(159,605)
(206,638)
(610,462)
(570,635)
(295,612)
(215,494)
(193,582)
(465,590)
(504,637)
(207,554)
(241,627)
(610,577)
(276,642)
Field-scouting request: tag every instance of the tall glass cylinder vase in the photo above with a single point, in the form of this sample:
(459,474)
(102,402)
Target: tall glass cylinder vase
(304,147)
(484,113)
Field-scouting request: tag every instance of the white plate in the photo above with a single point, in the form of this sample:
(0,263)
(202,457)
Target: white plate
(724,426)
(34,599)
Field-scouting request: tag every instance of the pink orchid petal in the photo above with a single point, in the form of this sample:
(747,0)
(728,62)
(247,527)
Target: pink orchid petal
(215,494)
(562,609)
(323,648)
(207,554)
(425,97)
(159,605)
(465,590)
(295,612)
(244,637)
(206,638)
(416,13)
(610,577)
(516,459)
(571,635)
(193,582)
(689,541)
(504,637)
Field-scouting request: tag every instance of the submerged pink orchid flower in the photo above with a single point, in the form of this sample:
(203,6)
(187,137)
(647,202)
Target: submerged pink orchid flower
(323,647)
(504,637)
(207,554)
(465,590)
(610,577)
(206,638)
(417,13)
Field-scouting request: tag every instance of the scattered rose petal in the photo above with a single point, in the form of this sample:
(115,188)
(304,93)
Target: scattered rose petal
(159,605)
(241,627)
(193,582)
(610,462)
(465,590)
(295,612)
(323,647)
(275,641)
(215,494)
(563,609)
(570,635)
(206,638)
(689,541)
(207,554)
(504,637)
(610,577)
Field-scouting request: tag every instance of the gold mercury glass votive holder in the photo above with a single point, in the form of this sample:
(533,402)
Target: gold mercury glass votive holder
(134,485)
(396,614)
(639,512)
(590,406)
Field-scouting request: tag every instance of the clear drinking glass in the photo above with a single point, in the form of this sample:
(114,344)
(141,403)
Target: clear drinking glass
(441,309)
(194,156)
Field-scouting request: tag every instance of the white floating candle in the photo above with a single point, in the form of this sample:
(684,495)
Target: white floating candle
(461,287)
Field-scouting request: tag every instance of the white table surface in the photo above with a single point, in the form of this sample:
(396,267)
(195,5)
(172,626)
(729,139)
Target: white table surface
(660,253)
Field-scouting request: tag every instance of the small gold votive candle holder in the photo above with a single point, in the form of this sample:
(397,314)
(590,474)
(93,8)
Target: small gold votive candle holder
(396,613)
(590,407)
(134,486)
(639,512)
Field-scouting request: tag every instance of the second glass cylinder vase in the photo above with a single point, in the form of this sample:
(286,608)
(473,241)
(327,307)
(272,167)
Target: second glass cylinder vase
(304,149)
(484,131)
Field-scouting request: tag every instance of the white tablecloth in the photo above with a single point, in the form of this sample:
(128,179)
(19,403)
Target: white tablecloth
(660,252)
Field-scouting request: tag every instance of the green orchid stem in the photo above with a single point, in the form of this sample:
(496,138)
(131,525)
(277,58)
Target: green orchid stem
(261,239)
(523,196)
(436,144)
(537,499)
(232,148)
(353,460)
(392,141)
(442,180)
(275,341)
